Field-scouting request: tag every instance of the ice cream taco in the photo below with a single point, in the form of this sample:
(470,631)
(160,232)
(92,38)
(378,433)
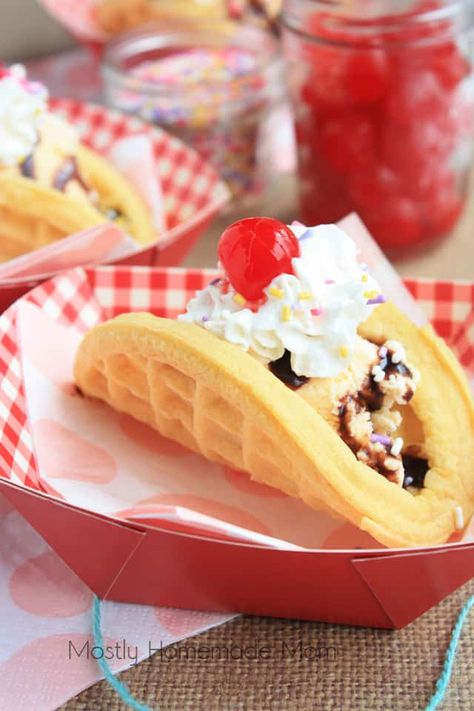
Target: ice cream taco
(116,16)
(293,368)
(51,185)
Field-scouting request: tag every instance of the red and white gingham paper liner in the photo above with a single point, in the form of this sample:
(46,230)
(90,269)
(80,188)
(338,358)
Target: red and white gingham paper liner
(81,298)
(449,306)
(189,184)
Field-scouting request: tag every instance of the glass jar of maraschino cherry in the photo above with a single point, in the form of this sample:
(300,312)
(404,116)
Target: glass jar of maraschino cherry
(383,99)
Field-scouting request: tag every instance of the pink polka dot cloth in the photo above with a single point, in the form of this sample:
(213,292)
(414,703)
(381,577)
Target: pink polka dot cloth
(47,651)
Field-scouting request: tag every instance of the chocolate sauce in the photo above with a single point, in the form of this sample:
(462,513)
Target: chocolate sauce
(112,214)
(344,422)
(283,370)
(409,394)
(371,395)
(391,368)
(66,172)
(415,471)
(371,392)
(374,458)
(27,166)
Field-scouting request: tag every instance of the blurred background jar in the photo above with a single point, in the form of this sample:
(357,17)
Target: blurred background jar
(383,104)
(212,84)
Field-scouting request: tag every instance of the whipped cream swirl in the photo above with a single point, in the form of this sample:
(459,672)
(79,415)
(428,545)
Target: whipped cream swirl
(313,313)
(22,105)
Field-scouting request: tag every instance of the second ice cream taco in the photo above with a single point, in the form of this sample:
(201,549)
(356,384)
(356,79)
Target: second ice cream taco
(51,185)
(293,368)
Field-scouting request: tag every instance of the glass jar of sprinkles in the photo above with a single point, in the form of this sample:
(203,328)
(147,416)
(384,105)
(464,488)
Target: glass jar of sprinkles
(211,84)
(383,103)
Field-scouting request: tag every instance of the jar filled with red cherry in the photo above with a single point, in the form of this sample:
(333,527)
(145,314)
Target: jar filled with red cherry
(384,113)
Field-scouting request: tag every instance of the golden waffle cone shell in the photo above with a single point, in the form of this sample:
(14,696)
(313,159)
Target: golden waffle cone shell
(217,400)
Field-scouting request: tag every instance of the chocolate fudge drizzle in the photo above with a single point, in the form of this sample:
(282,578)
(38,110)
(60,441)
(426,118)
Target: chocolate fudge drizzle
(69,170)
(416,469)
(374,458)
(391,368)
(369,397)
(112,213)
(371,392)
(66,172)
(27,166)
(283,370)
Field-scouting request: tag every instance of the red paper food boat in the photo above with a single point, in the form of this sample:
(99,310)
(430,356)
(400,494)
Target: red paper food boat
(140,563)
(192,192)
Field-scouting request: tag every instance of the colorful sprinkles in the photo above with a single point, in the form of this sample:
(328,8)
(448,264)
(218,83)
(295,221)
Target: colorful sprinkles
(381,439)
(378,373)
(276,292)
(379,299)
(286,313)
(459,518)
(397,446)
(213,98)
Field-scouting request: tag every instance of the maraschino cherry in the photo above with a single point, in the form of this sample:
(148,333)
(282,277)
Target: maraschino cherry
(255,250)
(378,132)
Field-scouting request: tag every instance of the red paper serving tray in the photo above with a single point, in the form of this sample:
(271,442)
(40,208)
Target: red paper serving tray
(143,564)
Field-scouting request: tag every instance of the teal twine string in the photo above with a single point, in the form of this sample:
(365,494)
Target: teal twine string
(121,689)
(445,677)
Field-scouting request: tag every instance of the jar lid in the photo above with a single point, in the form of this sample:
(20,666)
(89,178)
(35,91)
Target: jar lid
(393,21)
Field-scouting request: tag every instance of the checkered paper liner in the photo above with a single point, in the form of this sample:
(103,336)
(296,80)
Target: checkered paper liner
(190,186)
(81,298)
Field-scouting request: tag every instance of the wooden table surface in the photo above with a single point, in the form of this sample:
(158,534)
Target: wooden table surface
(451,258)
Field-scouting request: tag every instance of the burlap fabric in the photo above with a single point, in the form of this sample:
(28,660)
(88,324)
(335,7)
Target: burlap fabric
(310,666)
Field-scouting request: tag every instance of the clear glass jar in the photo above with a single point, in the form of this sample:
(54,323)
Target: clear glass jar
(211,84)
(383,103)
